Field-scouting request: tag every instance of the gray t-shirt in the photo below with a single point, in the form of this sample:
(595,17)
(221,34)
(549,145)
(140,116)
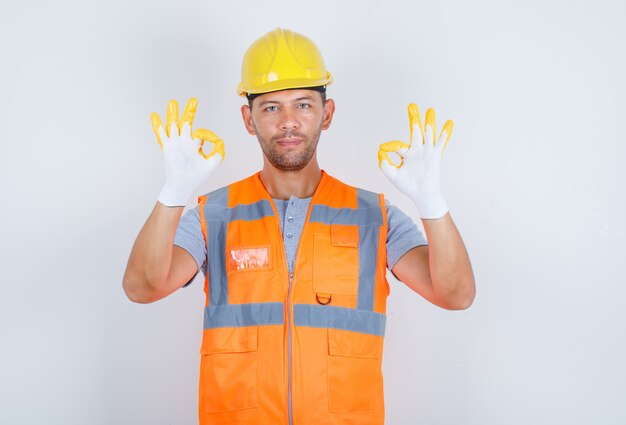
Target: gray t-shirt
(402,233)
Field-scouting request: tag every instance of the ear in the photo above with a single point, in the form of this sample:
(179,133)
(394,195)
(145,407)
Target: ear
(246,114)
(329,110)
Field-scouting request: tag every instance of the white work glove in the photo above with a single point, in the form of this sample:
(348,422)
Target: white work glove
(187,166)
(417,175)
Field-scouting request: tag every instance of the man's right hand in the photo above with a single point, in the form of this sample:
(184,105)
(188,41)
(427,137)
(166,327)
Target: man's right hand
(187,165)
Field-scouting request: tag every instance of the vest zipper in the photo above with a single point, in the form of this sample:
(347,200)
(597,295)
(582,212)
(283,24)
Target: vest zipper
(289,400)
(289,319)
(289,305)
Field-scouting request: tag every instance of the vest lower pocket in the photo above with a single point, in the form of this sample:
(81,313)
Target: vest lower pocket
(354,371)
(228,369)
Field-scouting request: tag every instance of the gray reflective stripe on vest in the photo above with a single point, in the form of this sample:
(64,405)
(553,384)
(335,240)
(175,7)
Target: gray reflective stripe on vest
(359,217)
(368,251)
(251,212)
(216,209)
(347,319)
(214,215)
(217,216)
(311,315)
(240,315)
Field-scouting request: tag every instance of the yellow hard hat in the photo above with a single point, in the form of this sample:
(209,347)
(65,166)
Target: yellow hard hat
(280,60)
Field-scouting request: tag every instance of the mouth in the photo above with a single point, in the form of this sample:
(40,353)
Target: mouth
(289,141)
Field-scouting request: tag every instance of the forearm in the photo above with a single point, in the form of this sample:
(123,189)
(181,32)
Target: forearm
(451,272)
(151,256)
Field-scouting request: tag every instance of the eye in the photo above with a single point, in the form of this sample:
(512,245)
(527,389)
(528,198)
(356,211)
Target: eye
(304,105)
(272,108)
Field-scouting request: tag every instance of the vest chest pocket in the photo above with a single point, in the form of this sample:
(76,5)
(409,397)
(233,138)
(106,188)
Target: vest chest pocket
(228,369)
(354,371)
(247,259)
(336,260)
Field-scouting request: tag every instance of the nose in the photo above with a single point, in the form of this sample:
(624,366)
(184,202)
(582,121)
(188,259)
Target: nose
(288,120)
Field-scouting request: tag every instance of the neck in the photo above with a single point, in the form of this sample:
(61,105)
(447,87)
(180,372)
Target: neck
(285,184)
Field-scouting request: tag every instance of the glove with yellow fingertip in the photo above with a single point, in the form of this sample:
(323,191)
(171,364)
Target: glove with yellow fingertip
(187,165)
(417,174)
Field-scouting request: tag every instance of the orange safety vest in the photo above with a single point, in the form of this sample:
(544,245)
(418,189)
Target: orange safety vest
(301,348)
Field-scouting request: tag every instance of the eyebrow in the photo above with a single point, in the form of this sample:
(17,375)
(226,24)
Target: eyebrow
(265,102)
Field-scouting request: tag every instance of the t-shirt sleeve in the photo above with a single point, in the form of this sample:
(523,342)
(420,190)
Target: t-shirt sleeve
(402,235)
(189,237)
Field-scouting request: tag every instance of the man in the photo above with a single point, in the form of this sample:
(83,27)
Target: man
(294,260)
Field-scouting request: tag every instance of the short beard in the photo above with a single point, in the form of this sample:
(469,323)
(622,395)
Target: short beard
(285,162)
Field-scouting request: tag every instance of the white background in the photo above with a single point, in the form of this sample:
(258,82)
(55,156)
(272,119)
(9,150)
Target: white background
(533,175)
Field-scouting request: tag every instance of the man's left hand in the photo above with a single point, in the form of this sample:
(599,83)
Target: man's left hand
(417,174)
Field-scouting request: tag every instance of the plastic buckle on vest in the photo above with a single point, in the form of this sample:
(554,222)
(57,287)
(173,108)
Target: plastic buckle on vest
(322,298)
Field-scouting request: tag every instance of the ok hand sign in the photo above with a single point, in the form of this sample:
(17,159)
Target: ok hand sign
(186,164)
(417,174)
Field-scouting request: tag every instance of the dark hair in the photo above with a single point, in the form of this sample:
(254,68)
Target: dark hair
(320,89)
